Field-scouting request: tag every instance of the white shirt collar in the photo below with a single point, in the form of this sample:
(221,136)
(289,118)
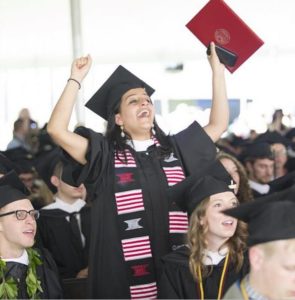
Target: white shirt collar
(140,145)
(23,259)
(60,204)
(262,188)
(214,258)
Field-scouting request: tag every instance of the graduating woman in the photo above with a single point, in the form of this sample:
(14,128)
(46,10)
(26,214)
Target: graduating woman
(129,169)
(214,257)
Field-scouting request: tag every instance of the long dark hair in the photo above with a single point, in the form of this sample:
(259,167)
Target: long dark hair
(113,134)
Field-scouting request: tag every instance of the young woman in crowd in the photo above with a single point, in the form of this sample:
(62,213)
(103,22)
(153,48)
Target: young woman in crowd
(214,257)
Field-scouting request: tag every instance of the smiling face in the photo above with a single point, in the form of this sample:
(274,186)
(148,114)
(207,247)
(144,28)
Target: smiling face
(136,114)
(15,235)
(220,227)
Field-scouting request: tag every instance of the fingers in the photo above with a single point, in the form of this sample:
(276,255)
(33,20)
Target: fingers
(83,61)
(212,48)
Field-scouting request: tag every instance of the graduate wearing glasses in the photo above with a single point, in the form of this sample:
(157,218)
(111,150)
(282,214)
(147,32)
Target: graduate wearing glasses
(25,272)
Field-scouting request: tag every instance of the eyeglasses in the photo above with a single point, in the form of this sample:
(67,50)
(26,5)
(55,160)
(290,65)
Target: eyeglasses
(22,214)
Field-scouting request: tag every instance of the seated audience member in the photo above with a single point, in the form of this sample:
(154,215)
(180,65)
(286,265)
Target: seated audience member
(33,129)
(214,256)
(277,122)
(64,224)
(238,173)
(24,114)
(279,146)
(24,160)
(258,160)
(26,272)
(271,242)
(20,135)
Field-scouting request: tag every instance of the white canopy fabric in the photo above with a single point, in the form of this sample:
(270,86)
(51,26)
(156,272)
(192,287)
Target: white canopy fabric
(144,35)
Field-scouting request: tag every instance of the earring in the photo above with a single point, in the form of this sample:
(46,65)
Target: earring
(153,130)
(122,131)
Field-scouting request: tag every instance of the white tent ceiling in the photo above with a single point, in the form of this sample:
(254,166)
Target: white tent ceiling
(35,32)
(36,51)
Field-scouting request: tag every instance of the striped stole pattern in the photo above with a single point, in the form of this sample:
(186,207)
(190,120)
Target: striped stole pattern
(173,174)
(135,241)
(136,248)
(144,291)
(129,201)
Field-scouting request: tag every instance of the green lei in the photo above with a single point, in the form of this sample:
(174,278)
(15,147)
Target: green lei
(8,286)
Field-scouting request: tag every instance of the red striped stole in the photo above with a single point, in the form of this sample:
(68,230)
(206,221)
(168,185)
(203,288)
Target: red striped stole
(174,175)
(144,291)
(120,159)
(129,201)
(136,248)
(178,222)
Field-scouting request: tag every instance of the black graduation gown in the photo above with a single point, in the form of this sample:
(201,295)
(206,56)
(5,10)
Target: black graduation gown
(177,282)
(47,273)
(54,233)
(107,269)
(256,194)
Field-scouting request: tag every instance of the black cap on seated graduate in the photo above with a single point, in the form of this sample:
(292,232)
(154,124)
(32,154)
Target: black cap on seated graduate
(194,189)
(272,137)
(104,101)
(257,150)
(6,164)
(22,158)
(12,189)
(269,218)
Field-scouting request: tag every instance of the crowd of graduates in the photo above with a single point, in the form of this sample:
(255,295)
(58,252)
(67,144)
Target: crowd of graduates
(136,214)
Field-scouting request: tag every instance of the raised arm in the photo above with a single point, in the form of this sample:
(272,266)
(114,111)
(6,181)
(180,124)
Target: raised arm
(219,115)
(57,126)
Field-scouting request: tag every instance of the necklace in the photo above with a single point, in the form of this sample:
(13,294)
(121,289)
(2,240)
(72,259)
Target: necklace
(221,283)
(9,287)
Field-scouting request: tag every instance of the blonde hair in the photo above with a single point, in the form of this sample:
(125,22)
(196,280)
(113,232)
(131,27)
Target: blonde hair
(197,242)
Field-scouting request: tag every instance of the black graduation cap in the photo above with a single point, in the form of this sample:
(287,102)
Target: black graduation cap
(22,158)
(12,189)
(269,218)
(6,164)
(272,137)
(238,141)
(257,150)
(46,143)
(45,165)
(109,94)
(192,190)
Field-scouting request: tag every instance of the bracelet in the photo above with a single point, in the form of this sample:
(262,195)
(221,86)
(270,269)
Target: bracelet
(75,81)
